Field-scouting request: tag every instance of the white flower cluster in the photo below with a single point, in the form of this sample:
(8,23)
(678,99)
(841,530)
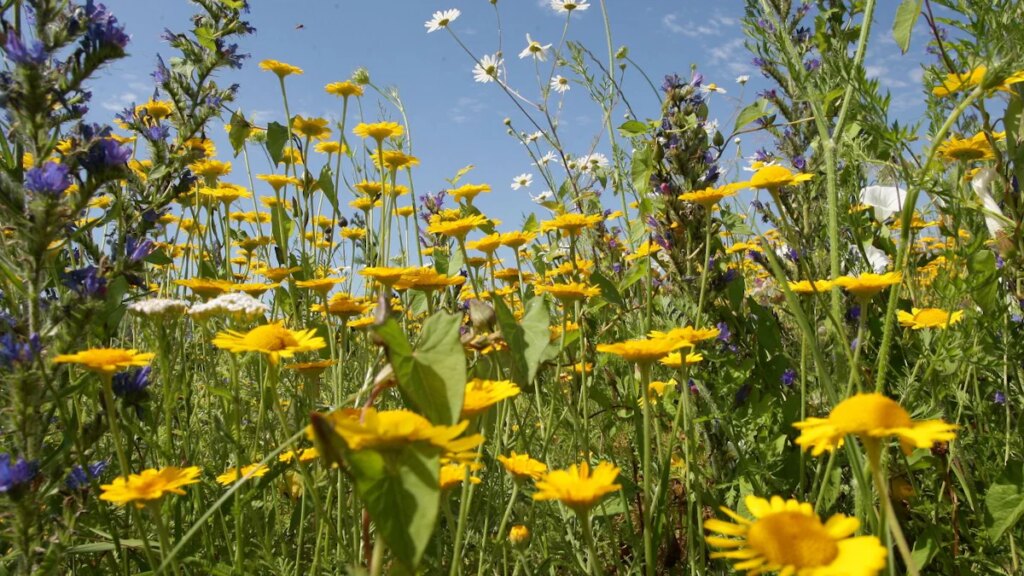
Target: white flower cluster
(158,307)
(231,304)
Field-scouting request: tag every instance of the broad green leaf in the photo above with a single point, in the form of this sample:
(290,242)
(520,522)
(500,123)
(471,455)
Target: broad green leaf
(982,279)
(536,329)
(632,128)
(328,443)
(751,113)
(281,225)
(903,25)
(514,336)
(402,492)
(608,290)
(326,182)
(277,136)
(1004,501)
(238,132)
(433,377)
(642,168)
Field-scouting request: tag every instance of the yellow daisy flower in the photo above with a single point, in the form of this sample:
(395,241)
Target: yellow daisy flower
(867,285)
(571,223)
(786,536)
(976,147)
(773,177)
(871,417)
(468,192)
(579,487)
(379,131)
(919,318)
(522,467)
(457,228)
(482,394)
(280,68)
(106,361)
(394,429)
(274,340)
(344,89)
(810,286)
(427,279)
(570,291)
(231,475)
(453,475)
(642,351)
(387,276)
(149,485)
(708,197)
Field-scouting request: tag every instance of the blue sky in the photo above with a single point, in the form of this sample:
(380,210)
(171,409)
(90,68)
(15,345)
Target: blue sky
(453,120)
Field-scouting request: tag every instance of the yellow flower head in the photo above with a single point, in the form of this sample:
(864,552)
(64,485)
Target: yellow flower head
(331,147)
(810,286)
(427,279)
(522,467)
(210,168)
(149,485)
(311,127)
(393,429)
(344,89)
(643,351)
(454,473)
(687,334)
(965,81)
(457,228)
(280,68)
(379,131)
(254,289)
(468,192)
(675,359)
(482,394)
(274,340)
(773,177)
(570,291)
(278,181)
(387,276)
(786,536)
(571,223)
(708,197)
(304,455)
(919,318)
(321,285)
(579,487)
(517,239)
(105,360)
(518,535)
(232,475)
(871,417)
(395,160)
(488,244)
(867,285)
(976,147)
(155,109)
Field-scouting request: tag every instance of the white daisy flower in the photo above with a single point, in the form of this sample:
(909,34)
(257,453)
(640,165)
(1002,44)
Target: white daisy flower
(567,6)
(560,84)
(592,161)
(521,181)
(441,19)
(528,138)
(546,158)
(543,197)
(741,80)
(488,69)
(535,49)
(712,87)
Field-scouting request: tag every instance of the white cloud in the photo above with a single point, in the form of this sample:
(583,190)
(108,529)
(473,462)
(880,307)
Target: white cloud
(466,108)
(708,27)
(120,101)
(733,55)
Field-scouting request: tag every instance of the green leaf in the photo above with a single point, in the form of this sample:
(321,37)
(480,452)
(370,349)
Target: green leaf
(458,175)
(906,17)
(751,113)
(433,377)
(238,132)
(631,128)
(207,38)
(527,340)
(326,182)
(402,492)
(642,168)
(158,257)
(282,225)
(608,290)
(277,136)
(328,443)
(982,279)
(514,336)
(1004,501)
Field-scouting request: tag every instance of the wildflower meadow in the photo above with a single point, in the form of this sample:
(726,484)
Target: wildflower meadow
(779,332)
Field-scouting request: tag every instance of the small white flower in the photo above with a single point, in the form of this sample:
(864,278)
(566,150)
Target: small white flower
(230,304)
(737,140)
(741,80)
(994,218)
(158,307)
(441,19)
(535,49)
(521,181)
(711,126)
(591,161)
(546,158)
(560,84)
(543,197)
(567,6)
(712,87)
(528,138)
(488,69)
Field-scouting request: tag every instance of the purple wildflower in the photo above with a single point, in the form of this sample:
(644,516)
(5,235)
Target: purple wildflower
(79,477)
(14,351)
(812,64)
(50,179)
(107,153)
(999,398)
(32,55)
(723,332)
(15,474)
(104,29)
(87,282)
(788,377)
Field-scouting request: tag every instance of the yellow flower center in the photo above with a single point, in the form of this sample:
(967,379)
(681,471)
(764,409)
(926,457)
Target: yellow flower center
(792,539)
(271,337)
(866,412)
